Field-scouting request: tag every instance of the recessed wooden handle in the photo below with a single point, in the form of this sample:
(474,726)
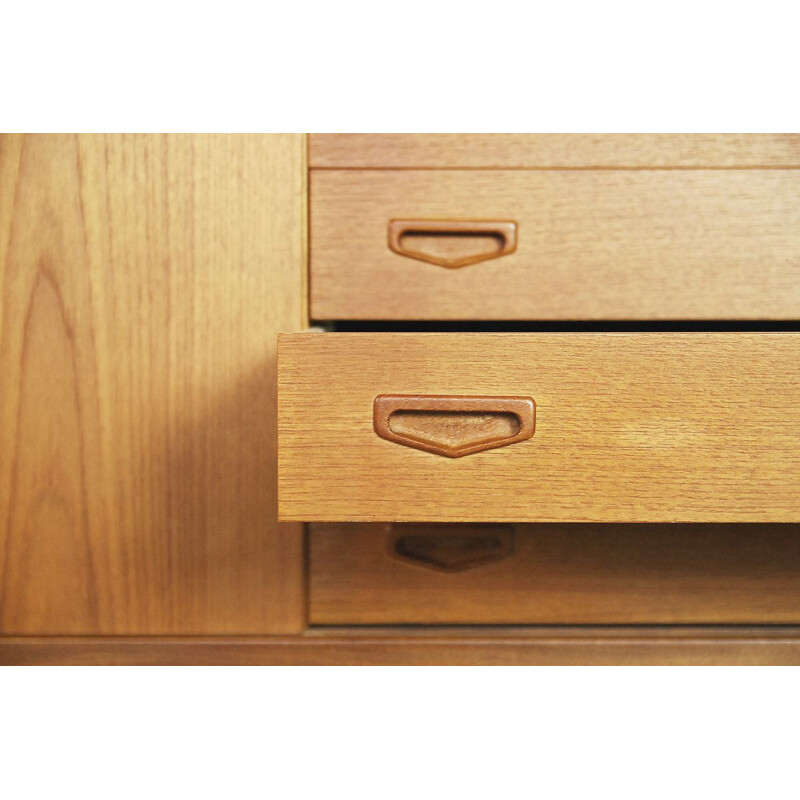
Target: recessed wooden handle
(453,425)
(452,243)
(450,548)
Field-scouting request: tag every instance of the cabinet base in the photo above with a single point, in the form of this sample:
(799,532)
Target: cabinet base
(530,646)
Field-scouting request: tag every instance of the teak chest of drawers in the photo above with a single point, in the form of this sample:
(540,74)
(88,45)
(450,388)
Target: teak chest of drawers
(395,398)
(691,421)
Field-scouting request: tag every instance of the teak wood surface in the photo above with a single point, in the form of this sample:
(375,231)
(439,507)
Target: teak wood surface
(143,281)
(561,574)
(553,150)
(590,245)
(640,427)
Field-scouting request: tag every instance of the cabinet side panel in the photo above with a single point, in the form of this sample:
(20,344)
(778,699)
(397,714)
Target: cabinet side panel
(144,279)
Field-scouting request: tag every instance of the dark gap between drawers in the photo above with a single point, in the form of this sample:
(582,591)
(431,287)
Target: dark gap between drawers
(612,326)
(638,629)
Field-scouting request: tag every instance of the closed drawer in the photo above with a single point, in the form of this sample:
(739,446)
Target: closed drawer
(638,244)
(382,574)
(658,427)
(553,150)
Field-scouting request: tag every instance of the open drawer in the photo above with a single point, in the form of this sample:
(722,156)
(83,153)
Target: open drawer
(614,427)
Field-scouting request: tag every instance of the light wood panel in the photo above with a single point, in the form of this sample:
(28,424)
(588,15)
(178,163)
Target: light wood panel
(591,245)
(548,150)
(557,646)
(658,427)
(143,281)
(562,574)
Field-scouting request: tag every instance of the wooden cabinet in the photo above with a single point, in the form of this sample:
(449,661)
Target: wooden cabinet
(145,280)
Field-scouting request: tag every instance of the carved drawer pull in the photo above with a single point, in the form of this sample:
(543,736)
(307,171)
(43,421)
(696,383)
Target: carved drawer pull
(452,243)
(451,548)
(455,425)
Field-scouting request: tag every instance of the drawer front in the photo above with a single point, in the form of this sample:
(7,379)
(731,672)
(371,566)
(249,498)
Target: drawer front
(589,244)
(385,574)
(552,150)
(658,427)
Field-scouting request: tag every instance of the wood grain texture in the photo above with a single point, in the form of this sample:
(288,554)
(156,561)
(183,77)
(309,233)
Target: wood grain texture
(563,575)
(592,245)
(143,281)
(658,427)
(552,150)
(554,646)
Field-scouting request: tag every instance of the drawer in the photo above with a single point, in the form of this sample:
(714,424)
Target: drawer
(581,244)
(627,427)
(552,150)
(387,574)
